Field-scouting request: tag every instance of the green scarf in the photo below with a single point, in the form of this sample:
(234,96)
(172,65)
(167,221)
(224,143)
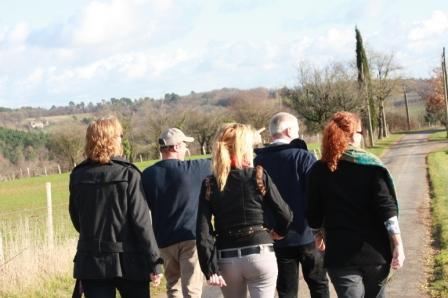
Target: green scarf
(362,157)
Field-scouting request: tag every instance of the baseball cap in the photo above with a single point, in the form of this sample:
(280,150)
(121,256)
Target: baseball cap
(173,136)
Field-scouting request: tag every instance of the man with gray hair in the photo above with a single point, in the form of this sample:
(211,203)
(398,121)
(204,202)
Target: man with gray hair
(288,161)
(172,188)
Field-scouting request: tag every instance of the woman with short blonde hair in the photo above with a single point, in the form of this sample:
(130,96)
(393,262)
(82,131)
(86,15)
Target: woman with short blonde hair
(236,252)
(103,139)
(116,247)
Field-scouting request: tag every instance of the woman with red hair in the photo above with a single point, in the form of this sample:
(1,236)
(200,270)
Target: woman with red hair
(352,202)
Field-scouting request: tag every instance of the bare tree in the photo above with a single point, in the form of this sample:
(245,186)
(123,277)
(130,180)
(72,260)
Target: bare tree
(322,92)
(204,124)
(254,107)
(67,143)
(385,82)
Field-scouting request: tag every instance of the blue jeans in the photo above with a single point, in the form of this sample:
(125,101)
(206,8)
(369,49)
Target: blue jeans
(98,288)
(360,281)
(288,260)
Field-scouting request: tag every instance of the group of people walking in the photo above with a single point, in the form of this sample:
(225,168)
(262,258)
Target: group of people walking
(245,220)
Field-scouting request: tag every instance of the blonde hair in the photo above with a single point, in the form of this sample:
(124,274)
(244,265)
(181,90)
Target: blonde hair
(101,139)
(337,136)
(233,141)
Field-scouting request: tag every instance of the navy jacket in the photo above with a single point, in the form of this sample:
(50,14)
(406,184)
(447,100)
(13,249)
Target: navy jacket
(288,166)
(172,188)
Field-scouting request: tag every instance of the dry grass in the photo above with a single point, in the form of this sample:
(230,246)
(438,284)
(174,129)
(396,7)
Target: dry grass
(24,274)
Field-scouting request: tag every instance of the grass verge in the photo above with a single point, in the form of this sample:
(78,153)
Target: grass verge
(438,176)
(382,145)
(438,136)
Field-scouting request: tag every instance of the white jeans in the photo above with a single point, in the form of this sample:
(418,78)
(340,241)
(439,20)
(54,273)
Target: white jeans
(258,272)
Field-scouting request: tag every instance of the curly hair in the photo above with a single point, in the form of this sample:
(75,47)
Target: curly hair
(102,139)
(337,136)
(233,141)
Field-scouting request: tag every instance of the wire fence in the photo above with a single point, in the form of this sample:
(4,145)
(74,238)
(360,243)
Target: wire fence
(33,228)
(33,171)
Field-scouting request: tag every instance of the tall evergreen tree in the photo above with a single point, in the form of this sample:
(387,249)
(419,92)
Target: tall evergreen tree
(364,82)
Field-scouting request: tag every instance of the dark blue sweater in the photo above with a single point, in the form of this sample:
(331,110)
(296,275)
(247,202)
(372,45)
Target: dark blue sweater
(288,166)
(172,188)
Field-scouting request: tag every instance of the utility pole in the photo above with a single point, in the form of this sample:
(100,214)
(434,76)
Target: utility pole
(445,87)
(407,108)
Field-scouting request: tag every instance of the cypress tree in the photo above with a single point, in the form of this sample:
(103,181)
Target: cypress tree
(364,82)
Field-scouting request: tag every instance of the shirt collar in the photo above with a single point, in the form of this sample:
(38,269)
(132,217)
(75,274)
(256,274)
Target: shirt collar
(280,141)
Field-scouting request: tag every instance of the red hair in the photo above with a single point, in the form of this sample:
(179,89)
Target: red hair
(337,136)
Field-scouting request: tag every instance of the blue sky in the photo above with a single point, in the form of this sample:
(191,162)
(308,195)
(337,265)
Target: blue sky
(56,51)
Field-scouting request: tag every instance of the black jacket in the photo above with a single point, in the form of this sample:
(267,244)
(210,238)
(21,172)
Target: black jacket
(351,204)
(238,206)
(108,209)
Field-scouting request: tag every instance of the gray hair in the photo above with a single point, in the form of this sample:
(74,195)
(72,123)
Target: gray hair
(281,121)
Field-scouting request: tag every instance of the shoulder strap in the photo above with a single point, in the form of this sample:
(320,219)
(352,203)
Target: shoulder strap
(259,180)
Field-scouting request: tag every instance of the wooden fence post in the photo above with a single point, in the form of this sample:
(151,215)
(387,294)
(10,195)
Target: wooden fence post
(50,239)
(28,170)
(45,171)
(141,159)
(59,169)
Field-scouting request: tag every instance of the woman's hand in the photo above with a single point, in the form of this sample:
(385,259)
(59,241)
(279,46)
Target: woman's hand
(397,257)
(275,235)
(319,240)
(155,279)
(217,280)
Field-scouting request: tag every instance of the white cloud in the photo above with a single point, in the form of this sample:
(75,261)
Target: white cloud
(105,22)
(18,34)
(437,24)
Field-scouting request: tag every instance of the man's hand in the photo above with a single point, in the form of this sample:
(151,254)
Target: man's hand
(257,136)
(155,279)
(217,280)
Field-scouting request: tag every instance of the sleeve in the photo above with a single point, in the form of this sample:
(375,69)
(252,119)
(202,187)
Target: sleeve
(306,163)
(314,203)
(383,202)
(139,215)
(146,188)
(205,240)
(72,207)
(280,210)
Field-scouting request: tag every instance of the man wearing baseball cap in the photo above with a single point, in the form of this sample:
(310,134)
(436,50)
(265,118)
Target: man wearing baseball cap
(172,187)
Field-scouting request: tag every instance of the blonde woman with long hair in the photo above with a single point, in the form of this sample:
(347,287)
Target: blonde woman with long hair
(116,247)
(234,245)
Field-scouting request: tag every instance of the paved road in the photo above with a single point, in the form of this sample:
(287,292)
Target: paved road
(406,161)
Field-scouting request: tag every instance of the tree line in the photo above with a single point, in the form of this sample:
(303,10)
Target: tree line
(370,85)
